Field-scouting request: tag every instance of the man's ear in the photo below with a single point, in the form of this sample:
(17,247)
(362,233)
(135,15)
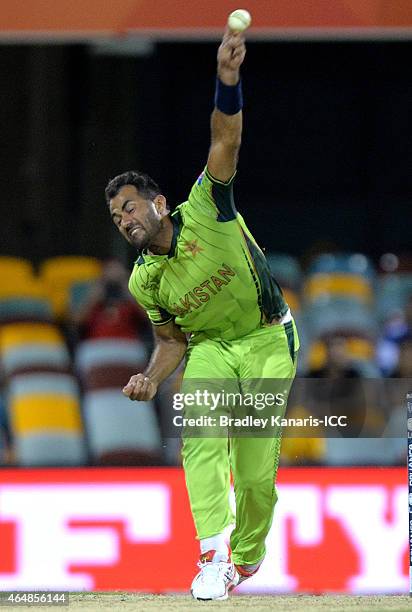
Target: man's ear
(161,205)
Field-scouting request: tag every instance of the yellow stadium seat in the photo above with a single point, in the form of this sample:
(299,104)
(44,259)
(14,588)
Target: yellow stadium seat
(45,418)
(292,299)
(45,413)
(317,355)
(18,334)
(348,285)
(15,267)
(357,348)
(60,273)
(297,447)
(32,346)
(302,450)
(22,287)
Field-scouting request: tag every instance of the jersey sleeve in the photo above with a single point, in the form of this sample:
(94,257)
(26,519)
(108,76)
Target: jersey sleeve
(156,314)
(212,197)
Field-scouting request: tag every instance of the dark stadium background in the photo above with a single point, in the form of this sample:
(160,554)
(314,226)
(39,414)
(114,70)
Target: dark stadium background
(92,490)
(326,160)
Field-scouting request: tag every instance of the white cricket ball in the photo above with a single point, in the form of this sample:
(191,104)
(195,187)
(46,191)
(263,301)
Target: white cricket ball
(239,20)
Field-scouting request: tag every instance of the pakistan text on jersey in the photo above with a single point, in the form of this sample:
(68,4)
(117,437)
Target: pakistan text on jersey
(203,292)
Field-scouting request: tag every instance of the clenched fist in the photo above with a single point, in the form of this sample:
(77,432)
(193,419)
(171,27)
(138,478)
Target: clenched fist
(140,388)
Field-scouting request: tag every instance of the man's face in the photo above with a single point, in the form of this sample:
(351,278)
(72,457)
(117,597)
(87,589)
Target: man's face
(136,218)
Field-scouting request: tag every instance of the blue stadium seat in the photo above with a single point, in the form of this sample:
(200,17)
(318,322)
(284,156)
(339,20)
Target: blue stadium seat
(286,269)
(78,293)
(346,263)
(393,291)
(339,315)
(13,310)
(23,298)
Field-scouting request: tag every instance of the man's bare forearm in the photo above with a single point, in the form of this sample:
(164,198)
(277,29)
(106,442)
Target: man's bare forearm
(226,129)
(165,358)
(170,348)
(226,120)
(228,76)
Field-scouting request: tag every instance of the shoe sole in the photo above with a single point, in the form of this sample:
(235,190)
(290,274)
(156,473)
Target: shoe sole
(221,598)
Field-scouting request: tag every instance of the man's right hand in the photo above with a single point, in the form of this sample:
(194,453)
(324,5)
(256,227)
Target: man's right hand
(230,56)
(140,388)
(170,348)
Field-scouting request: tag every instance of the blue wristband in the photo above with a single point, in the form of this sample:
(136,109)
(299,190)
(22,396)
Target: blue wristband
(228,98)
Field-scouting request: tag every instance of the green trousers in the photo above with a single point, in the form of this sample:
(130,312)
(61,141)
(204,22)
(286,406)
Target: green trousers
(266,353)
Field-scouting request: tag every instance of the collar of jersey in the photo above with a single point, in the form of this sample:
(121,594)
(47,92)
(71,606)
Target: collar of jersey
(176,219)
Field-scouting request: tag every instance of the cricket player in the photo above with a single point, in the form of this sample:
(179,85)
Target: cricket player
(200,274)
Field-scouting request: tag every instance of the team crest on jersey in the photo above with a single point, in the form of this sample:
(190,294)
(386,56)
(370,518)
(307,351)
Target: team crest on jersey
(200,179)
(192,247)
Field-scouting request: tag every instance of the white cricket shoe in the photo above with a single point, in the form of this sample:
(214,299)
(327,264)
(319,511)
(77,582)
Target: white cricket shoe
(215,579)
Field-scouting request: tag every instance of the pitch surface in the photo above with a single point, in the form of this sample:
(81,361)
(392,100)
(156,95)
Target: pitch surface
(88,602)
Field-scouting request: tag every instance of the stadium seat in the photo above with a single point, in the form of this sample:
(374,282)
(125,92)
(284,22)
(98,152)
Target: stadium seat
(45,419)
(393,291)
(109,352)
(23,299)
(301,450)
(357,451)
(119,432)
(321,285)
(359,349)
(60,273)
(292,298)
(286,269)
(4,430)
(343,263)
(339,316)
(15,267)
(30,347)
(78,293)
(400,263)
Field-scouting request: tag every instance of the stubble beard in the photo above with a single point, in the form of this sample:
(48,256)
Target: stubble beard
(144,238)
(141,240)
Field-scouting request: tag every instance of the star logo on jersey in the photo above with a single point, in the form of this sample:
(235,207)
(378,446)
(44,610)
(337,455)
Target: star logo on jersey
(191,246)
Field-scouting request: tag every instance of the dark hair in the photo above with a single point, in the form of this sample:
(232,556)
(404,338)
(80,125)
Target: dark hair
(145,185)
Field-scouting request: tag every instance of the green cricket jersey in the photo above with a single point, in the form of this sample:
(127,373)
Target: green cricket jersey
(215,281)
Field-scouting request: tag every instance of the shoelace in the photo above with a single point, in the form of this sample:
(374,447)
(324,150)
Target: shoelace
(211,571)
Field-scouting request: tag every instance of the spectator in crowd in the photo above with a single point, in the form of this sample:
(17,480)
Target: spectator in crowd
(341,393)
(344,392)
(397,329)
(337,364)
(109,310)
(404,365)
